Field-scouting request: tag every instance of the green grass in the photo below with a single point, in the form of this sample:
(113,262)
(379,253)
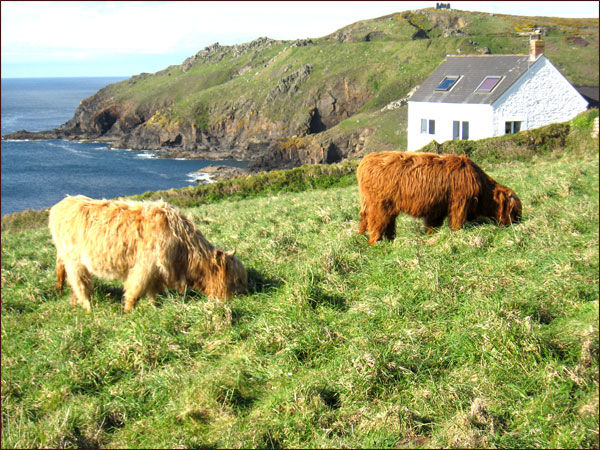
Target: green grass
(483,337)
(299,179)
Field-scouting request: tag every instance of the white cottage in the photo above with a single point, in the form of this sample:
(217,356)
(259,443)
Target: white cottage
(475,97)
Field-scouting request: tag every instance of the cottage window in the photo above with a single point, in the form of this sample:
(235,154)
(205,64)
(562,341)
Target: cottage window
(456,127)
(427,126)
(447,83)
(488,84)
(512,127)
(465,130)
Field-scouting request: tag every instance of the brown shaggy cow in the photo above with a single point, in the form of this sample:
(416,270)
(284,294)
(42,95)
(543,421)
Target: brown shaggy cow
(429,186)
(149,245)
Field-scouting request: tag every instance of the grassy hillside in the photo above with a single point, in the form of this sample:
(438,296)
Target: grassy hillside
(391,60)
(483,337)
(230,98)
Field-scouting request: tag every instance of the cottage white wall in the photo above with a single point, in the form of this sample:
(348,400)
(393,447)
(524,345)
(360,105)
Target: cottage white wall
(478,116)
(540,97)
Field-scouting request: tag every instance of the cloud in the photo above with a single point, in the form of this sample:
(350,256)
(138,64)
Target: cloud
(82,30)
(62,28)
(79,30)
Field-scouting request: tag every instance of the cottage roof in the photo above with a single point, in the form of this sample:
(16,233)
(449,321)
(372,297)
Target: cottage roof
(589,93)
(470,72)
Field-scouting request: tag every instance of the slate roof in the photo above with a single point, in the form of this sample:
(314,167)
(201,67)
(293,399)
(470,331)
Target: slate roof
(472,70)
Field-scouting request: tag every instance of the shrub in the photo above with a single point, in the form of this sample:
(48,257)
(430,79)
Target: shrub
(518,146)
(308,177)
(584,121)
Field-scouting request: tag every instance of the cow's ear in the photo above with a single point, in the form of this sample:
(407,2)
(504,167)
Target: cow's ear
(499,195)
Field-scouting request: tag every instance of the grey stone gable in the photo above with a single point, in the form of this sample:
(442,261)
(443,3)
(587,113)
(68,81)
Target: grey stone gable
(472,70)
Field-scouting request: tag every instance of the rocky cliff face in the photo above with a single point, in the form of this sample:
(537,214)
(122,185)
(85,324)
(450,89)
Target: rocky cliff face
(240,132)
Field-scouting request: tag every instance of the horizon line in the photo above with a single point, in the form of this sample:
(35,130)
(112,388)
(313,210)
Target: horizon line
(81,76)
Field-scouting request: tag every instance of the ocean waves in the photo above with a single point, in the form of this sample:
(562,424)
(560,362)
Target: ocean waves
(200,177)
(37,174)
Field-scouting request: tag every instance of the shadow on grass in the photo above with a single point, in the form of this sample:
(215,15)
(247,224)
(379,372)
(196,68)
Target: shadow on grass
(77,439)
(18,306)
(112,293)
(330,397)
(420,229)
(258,283)
(100,293)
(238,397)
(318,297)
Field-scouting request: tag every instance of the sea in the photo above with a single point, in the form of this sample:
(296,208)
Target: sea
(36,174)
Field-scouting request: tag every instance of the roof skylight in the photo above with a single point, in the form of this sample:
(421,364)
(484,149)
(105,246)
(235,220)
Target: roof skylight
(446,84)
(488,84)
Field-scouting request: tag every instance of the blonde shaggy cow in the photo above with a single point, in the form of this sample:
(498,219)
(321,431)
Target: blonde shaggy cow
(149,245)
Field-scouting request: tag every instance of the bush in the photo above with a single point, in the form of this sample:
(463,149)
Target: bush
(519,146)
(308,177)
(584,121)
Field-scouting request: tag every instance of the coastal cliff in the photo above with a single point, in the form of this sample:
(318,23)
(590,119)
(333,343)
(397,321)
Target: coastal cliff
(285,103)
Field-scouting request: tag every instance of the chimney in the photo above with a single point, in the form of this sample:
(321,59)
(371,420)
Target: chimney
(537,48)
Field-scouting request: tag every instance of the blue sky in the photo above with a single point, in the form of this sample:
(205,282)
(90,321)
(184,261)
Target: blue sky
(71,39)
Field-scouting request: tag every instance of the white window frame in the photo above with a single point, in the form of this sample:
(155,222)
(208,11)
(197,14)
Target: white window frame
(426,126)
(512,127)
(432,126)
(458,130)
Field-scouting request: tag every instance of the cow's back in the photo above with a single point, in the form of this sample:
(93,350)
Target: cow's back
(416,183)
(401,178)
(109,237)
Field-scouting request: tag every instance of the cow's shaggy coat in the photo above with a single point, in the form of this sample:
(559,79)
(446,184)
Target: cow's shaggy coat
(429,186)
(149,245)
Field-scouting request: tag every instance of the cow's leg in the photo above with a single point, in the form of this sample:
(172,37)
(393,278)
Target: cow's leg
(457,213)
(390,230)
(378,220)
(155,288)
(78,278)
(60,275)
(433,222)
(138,282)
(363,223)
(364,216)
